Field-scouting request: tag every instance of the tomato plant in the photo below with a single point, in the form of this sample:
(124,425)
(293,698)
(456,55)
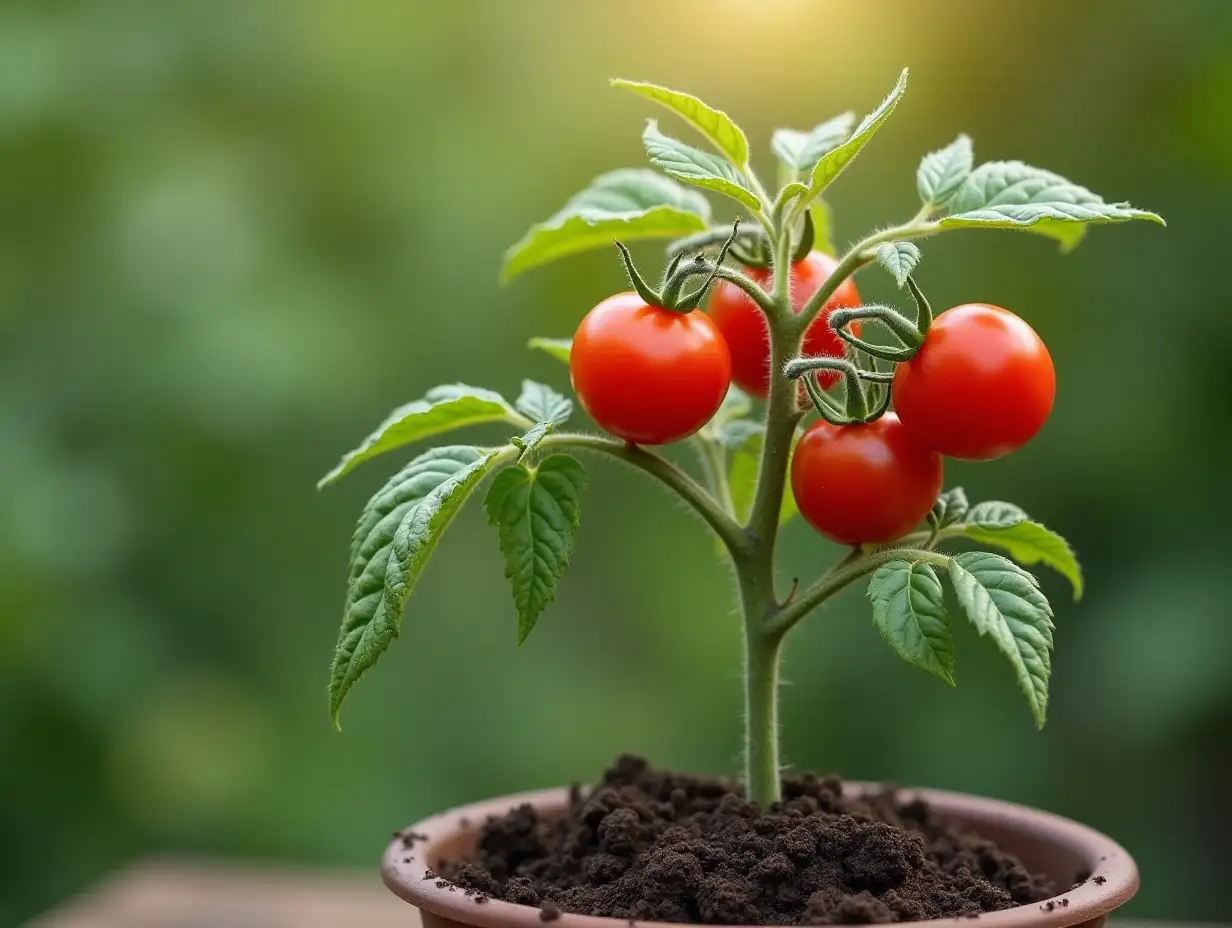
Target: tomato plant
(981,385)
(747,333)
(647,374)
(649,368)
(863,483)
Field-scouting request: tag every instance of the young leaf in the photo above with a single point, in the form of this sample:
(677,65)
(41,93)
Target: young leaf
(541,403)
(732,411)
(1013,195)
(1004,602)
(556,347)
(942,172)
(951,507)
(629,204)
(399,528)
(535,513)
(714,124)
(800,151)
(899,258)
(834,162)
(1026,541)
(442,409)
(909,611)
(697,167)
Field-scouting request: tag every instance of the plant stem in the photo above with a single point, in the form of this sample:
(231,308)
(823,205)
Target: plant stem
(761,724)
(731,534)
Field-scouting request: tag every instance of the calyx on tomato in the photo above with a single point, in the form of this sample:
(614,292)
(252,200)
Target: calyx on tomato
(670,294)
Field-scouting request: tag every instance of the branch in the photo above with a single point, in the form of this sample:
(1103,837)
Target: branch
(842,574)
(667,473)
(749,286)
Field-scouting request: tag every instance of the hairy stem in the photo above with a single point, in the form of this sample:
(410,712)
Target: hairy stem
(667,473)
(761,698)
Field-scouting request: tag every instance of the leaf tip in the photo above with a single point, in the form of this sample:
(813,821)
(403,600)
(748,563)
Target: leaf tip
(331,478)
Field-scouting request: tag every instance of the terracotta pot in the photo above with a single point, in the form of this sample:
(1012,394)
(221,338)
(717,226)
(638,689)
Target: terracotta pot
(1046,843)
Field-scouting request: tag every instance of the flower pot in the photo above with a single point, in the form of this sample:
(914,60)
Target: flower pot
(1046,843)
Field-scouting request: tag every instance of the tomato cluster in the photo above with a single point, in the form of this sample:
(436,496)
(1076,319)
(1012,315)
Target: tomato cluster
(980,385)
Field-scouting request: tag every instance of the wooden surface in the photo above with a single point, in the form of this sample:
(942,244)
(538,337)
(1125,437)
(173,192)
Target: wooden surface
(169,894)
(185,894)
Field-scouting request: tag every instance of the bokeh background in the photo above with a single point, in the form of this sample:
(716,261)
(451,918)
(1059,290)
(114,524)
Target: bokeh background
(234,233)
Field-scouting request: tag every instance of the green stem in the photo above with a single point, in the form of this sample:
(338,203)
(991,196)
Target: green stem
(667,473)
(761,724)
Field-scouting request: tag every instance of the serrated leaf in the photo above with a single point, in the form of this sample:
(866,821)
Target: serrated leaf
(697,167)
(909,611)
(800,151)
(1027,541)
(535,513)
(951,507)
(540,403)
(835,162)
(531,440)
(442,409)
(941,173)
(742,475)
(558,348)
(715,125)
(629,204)
(899,258)
(823,226)
(397,531)
(1004,602)
(1013,195)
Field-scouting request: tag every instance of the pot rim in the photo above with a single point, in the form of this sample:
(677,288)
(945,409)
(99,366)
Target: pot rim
(402,868)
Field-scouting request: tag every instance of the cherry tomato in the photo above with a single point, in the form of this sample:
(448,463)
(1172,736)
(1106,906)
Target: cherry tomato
(864,483)
(982,384)
(748,337)
(647,374)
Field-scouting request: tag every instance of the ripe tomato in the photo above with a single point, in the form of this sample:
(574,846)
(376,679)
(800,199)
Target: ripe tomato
(748,337)
(864,483)
(982,384)
(647,374)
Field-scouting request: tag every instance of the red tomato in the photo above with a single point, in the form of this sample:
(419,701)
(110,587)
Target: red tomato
(864,483)
(647,374)
(982,384)
(748,336)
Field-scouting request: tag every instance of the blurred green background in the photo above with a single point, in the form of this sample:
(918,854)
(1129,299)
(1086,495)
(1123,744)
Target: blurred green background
(234,233)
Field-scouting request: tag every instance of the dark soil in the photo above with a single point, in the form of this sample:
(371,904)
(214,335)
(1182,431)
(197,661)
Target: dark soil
(652,846)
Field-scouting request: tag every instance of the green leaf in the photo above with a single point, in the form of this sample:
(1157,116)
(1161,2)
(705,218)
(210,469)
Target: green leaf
(535,513)
(1013,195)
(540,403)
(697,167)
(951,507)
(1028,542)
(396,532)
(834,162)
(556,347)
(629,204)
(442,409)
(899,258)
(941,173)
(735,406)
(823,226)
(909,611)
(1004,602)
(714,124)
(800,151)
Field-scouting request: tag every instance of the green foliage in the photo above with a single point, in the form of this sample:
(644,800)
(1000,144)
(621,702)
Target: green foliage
(951,507)
(558,348)
(714,124)
(442,409)
(629,204)
(909,611)
(834,162)
(941,173)
(535,512)
(823,226)
(397,532)
(1004,602)
(540,403)
(799,152)
(900,259)
(744,438)
(1028,542)
(1013,195)
(696,167)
